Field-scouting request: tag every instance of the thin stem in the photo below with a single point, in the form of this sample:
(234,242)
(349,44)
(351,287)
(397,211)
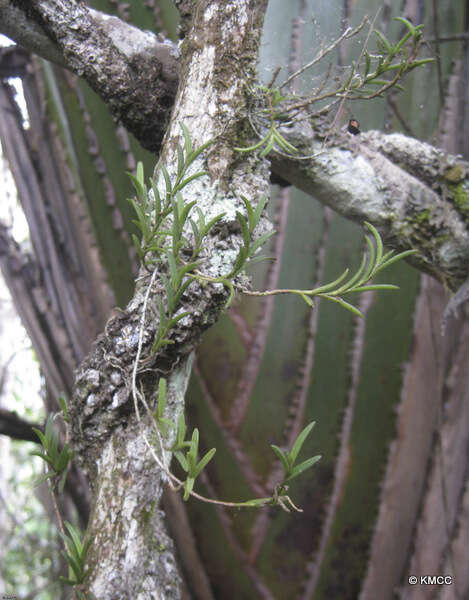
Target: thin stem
(140,341)
(56,509)
(348,33)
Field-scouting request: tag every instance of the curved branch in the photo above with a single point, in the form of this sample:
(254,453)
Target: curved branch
(16,24)
(416,195)
(410,191)
(132,71)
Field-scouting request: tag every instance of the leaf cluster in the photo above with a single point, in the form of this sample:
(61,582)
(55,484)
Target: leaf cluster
(165,221)
(273,139)
(288,457)
(186,453)
(75,557)
(153,209)
(57,461)
(373,262)
(249,246)
(368,77)
(394,59)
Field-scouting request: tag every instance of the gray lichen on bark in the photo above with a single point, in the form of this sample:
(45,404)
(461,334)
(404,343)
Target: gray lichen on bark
(398,184)
(126,481)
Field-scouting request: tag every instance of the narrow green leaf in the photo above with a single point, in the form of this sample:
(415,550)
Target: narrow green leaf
(75,534)
(41,436)
(67,581)
(369,271)
(330,286)
(193,450)
(63,406)
(181,460)
(344,304)
(139,186)
(186,181)
(308,300)
(239,264)
(244,229)
(419,63)
(212,222)
(257,502)
(384,41)
(282,142)
(187,139)
(248,207)
(182,288)
(379,243)
(167,180)
(375,286)
(395,258)
(48,429)
(41,455)
(157,198)
(367,63)
(268,148)
(300,441)
(407,23)
(195,153)
(181,429)
(62,481)
(177,318)
(180,161)
(169,294)
(161,396)
(258,211)
(53,449)
(282,457)
(402,41)
(188,486)
(259,242)
(63,459)
(302,467)
(254,146)
(185,212)
(196,232)
(140,173)
(73,557)
(204,462)
(256,259)
(352,281)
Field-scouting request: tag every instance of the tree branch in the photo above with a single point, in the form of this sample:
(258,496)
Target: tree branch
(132,71)
(416,195)
(413,207)
(17,428)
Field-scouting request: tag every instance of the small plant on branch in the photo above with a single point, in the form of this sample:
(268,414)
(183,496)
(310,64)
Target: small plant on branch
(76,558)
(175,251)
(372,263)
(57,465)
(57,461)
(373,74)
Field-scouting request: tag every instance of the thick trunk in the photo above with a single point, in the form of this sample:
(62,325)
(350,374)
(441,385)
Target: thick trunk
(130,554)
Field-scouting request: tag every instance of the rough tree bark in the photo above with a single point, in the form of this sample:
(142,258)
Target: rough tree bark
(388,180)
(363,182)
(126,481)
